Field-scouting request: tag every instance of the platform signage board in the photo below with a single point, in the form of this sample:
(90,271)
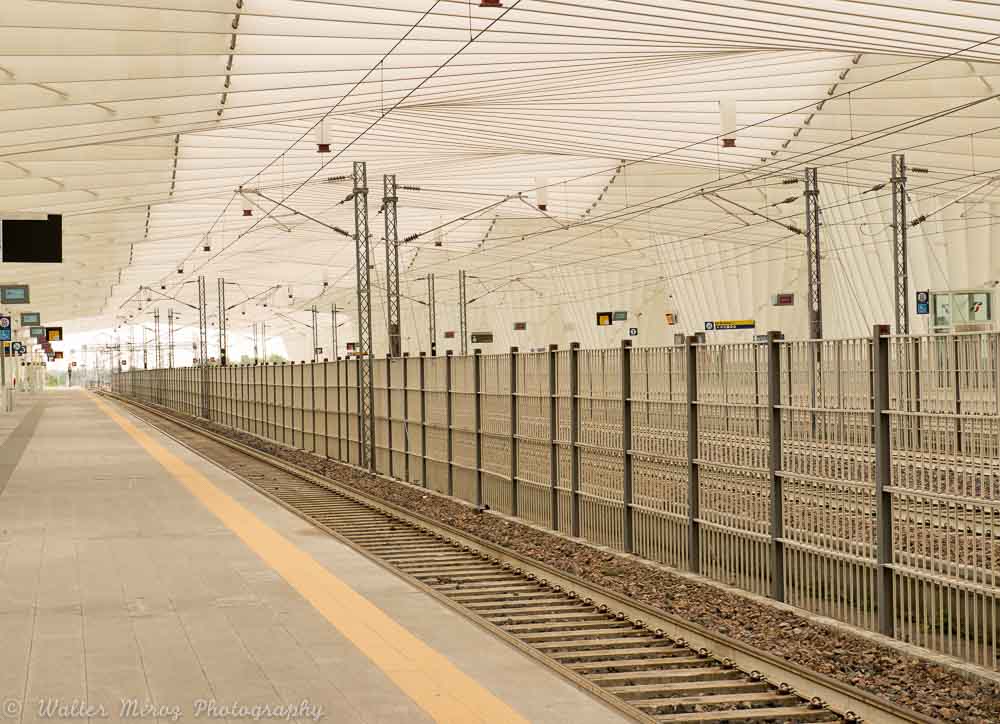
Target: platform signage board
(14,294)
(481,337)
(719,325)
(5,328)
(923,302)
(30,318)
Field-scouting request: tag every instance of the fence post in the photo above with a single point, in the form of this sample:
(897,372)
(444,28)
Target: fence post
(774,458)
(388,414)
(694,500)
(423,421)
(448,419)
(361,441)
(553,446)
(513,431)
(574,439)
(883,479)
(627,513)
(477,367)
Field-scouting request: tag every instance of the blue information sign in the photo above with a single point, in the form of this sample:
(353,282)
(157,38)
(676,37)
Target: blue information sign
(923,302)
(5,330)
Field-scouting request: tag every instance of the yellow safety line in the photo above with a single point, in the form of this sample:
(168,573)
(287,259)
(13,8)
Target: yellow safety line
(430,679)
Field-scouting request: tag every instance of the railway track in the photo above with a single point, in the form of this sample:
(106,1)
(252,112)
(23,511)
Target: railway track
(648,665)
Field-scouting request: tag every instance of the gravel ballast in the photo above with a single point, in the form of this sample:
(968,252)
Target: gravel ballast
(925,687)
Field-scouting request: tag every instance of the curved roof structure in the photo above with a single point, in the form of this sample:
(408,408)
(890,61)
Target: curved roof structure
(568,156)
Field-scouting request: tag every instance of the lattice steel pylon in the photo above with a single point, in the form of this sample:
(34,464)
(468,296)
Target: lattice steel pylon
(431,314)
(223,342)
(202,358)
(333,331)
(815,290)
(203,344)
(899,245)
(170,338)
(315,330)
(463,312)
(362,245)
(389,200)
(156,338)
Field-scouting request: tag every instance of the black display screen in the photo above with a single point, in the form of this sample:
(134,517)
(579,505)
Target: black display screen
(33,241)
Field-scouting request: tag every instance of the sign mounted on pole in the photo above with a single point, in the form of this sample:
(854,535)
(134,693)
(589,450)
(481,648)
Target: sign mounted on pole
(30,318)
(54,334)
(604,319)
(619,316)
(633,331)
(481,337)
(783,299)
(725,324)
(923,302)
(14,294)
(5,330)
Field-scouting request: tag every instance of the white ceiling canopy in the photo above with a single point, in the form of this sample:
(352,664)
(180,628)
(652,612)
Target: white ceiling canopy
(154,125)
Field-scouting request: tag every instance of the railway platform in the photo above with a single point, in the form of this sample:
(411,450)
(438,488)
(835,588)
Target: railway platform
(139,581)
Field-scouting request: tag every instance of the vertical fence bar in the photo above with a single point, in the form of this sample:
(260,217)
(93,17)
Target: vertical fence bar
(574,439)
(477,398)
(513,432)
(883,478)
(627,512)
(449,419)
(694,501)
(553,447)
(774,458)
(423,420)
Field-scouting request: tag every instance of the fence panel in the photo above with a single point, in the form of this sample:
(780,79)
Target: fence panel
(733,458)
(601,453)
(534,446)
(437,423)
(495,436)
(380,412)
(828,476)
(945,432)
(659,454)
(463,427)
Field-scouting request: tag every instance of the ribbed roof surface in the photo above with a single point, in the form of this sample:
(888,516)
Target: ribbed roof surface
(140,120)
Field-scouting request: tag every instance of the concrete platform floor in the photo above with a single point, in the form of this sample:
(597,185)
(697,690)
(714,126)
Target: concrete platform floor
(118,584)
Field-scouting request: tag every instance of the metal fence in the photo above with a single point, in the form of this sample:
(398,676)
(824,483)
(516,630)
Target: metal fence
(855,478)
